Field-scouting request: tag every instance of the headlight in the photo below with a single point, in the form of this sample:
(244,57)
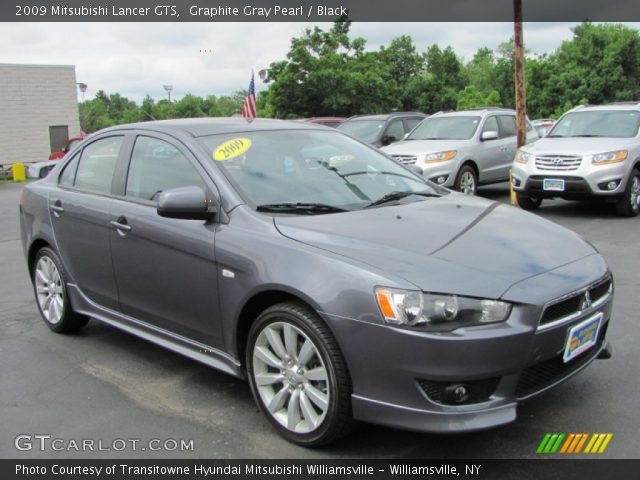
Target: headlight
(440,156)
(434,312)
(524,157)
(610,157)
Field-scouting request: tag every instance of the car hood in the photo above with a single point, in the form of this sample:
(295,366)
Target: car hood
(421,147)
(576,146)
(450,244)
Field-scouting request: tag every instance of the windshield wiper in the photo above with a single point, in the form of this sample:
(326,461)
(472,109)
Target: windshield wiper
(301,208)
(587,135)
(397,195)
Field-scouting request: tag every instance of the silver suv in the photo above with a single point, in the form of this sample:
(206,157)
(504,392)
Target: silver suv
(462,149)
(592,151)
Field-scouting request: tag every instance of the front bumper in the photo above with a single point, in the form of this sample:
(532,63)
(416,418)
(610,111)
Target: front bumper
(587,181)
(399,375)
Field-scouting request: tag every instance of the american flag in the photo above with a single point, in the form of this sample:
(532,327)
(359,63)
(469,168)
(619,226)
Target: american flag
(249,106)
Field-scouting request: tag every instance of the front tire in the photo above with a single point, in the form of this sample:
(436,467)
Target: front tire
(50,287)
(629,204)
(298,376)
(528,203)
(467,181)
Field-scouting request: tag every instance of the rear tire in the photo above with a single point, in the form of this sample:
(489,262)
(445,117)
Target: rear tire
(528,203)
(298,376)
(629,204)
(50,287)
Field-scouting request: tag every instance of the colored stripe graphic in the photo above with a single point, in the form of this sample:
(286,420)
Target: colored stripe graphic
(573,443)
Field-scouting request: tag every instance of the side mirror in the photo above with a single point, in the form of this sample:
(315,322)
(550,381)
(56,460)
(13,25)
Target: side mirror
(387,139)
(187,203)
(489,135)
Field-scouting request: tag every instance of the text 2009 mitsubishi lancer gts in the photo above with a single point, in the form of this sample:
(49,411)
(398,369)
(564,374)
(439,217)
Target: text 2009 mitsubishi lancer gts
(341,284)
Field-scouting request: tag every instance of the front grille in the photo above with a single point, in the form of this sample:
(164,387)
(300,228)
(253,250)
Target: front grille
(405,159)
(479,390)
(571,305)
(558,163)
(548,372)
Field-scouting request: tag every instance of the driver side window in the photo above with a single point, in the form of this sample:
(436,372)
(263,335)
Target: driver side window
(490,125)
(156,166)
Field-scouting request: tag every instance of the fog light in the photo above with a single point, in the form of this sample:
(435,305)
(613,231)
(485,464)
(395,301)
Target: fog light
(456,393)
(515,182)
(441,179)
(610,185)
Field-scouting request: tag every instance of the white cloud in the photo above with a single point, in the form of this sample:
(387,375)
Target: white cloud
(135,59)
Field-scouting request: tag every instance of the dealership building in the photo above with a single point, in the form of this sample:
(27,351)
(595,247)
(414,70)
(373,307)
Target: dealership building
(38,111)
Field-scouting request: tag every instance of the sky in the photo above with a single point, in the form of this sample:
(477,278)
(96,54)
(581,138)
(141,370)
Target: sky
(136,59)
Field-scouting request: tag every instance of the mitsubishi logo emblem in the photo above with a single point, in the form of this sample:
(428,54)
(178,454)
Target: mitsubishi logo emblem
(585,304)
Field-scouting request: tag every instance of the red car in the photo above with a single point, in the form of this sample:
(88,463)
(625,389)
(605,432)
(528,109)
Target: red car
(326,121)
(70,143)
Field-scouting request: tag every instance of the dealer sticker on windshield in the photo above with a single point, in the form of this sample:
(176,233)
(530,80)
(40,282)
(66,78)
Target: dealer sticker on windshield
(554,184)
(582,337)
(231,149)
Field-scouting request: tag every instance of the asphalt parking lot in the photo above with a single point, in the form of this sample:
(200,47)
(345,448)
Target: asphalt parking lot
(105,384)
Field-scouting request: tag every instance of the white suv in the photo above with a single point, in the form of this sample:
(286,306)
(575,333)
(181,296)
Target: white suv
(592,151)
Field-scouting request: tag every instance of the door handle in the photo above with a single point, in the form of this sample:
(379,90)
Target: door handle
(57,208)
(121,225)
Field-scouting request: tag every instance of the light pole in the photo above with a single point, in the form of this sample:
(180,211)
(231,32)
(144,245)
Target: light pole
(83,89)
(168,89)
(264,75)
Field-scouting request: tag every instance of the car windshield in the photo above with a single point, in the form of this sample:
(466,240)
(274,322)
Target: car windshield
(445,128)
(366,130)
(310,167)
(598,123)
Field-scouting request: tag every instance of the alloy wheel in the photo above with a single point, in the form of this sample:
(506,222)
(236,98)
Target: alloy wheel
(634,198)
(291,377)
(467,183)
(49,291)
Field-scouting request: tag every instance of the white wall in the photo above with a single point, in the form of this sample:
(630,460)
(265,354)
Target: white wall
(32,98)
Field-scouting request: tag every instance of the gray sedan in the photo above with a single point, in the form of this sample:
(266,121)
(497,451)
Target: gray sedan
(340,284)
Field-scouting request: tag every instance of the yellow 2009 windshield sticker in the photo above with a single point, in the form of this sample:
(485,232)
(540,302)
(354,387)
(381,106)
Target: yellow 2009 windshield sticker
(231,149)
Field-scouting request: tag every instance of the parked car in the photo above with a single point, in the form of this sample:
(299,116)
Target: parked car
(341,284)
(40,169)
(326,121)
(381,130)
(593,152)
(543,125)
(463,149)
(72,142)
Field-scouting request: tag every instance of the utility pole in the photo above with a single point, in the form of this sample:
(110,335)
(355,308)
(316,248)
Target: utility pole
(521,97)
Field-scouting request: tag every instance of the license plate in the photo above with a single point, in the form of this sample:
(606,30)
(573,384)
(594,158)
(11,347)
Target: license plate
(553,184)
(582,337)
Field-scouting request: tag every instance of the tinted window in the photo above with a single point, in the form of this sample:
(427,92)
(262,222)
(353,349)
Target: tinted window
(156,166)
(491,125)
(367,130)
(507,125)
(97,164)
(68,175)
(395,130)
(412,122)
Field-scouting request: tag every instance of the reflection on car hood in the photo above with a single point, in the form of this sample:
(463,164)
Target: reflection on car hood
(577,145)
(452,244)
(420,147)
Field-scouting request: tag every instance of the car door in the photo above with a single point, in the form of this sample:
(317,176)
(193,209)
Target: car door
(508,134)
(80,218)
(165,267)
(491,153)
